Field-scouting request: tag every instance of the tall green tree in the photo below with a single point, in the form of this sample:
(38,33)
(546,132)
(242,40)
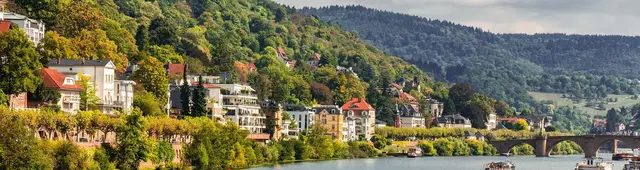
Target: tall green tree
(461,93)
(153,77)
(88,98)
(18,71)
(162,32)
(612,120)
(185,94)
(449,107)
(142,38)
(199,99)
(133,143)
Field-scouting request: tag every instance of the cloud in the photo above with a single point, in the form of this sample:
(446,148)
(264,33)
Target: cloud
(515,16)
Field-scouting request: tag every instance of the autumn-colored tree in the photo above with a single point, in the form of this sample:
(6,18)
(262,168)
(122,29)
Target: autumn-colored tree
(55,46)
(322,93)
(94,45)
(78,17)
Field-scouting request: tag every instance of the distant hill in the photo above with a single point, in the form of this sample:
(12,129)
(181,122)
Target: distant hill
(504,66)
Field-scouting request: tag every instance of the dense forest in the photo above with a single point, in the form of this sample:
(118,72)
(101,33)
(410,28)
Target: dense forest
(503,66)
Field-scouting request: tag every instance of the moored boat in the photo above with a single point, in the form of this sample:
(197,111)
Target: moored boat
(623,156)
(594,164)
(633,165)
(414,152)
(506,165)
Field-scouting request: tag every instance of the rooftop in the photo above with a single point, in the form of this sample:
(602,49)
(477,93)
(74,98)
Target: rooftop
(175,68)
(357,104)
(53,79)
(68,62)
(5,26)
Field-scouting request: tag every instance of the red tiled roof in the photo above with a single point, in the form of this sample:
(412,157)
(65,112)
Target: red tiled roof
(316,56)
(5,26)
(357,104)
(252,65)
(260,136)
(292,64)
(209,86)
(282,52)
(175,69)
(55,80)
(396,86)
(407,96)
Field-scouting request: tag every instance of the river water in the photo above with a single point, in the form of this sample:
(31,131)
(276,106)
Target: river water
(443,163)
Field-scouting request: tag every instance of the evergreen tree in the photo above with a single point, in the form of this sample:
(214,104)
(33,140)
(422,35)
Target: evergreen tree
(612,120)
(385,110)
(185,94)
(449,108)
(199,107)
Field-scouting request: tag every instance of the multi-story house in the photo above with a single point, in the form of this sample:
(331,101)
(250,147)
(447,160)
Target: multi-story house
(304,116)
(363,114)
(491,121)
(33,28)
(437,108)
(453,121)
(124,93)
(331,118)
(240,103)
(103,78)
(408,116)
(67,87)
(289,132)
(349,130)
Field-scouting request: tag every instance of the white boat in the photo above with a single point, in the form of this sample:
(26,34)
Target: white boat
(506,165)
(594,164)
(633,165)
(414,152)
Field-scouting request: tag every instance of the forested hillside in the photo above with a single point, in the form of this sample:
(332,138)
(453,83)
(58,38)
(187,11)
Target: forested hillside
(504,66)
(214,38)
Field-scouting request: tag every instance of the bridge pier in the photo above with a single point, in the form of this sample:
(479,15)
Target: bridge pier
(541,147)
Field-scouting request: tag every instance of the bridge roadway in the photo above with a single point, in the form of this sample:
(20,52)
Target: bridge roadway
(544,144)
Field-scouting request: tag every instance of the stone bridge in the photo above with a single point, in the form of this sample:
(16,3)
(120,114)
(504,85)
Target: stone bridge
(543,145)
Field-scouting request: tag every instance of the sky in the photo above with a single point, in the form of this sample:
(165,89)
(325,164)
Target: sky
(610,17)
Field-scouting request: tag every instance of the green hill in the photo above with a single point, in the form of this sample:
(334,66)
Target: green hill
(223,36)
(503,66)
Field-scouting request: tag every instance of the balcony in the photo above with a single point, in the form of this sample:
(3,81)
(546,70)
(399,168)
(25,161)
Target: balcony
(239,94)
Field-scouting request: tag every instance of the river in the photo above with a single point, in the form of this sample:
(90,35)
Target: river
(443,163)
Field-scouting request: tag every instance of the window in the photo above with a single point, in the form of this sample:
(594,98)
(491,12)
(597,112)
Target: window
(118,87)
(324,121)
(333,127)
(68,80)
(333,118)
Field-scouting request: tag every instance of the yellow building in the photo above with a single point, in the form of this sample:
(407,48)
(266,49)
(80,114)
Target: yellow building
(331,118)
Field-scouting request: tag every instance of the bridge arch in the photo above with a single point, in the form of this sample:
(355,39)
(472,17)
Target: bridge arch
(553,143)
(504,147)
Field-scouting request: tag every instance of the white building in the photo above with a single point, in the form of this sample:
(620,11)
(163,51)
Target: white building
(35,29)
(491,121)
(363,114)
(349,129)
(287,131)
(304,116)
(453,121)
(67,87)
(102,74)
(124,93)
(241,105)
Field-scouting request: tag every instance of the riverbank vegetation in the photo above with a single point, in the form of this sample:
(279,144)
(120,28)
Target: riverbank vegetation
(436,132)
(206,144)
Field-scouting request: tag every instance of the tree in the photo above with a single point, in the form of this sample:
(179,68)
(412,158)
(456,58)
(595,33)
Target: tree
(380,142)
(143,38)
(88,98)
(427,148)
(78,17)
(213,145)
(478,109)
(133,144)
(18,70)
(222,57)
(147,103)
(162,32)
(4,99)
(199,99)
(526,112)
(19,149)
(460,94)
(46,95)
(612,120)
(153,77)
(163,152)
(503,109)
(165,54)
(53,46)
(70,156)
(520,125)
(95,45)
(185,94)
(449,107)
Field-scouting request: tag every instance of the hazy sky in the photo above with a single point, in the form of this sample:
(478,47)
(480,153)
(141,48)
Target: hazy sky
(620,17)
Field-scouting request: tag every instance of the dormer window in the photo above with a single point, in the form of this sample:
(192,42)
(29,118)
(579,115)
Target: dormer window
(69,81)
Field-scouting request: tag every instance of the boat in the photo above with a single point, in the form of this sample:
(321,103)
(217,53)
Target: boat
(594,164)
(633,165)
(414,152)
(624,157)
(506,165)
